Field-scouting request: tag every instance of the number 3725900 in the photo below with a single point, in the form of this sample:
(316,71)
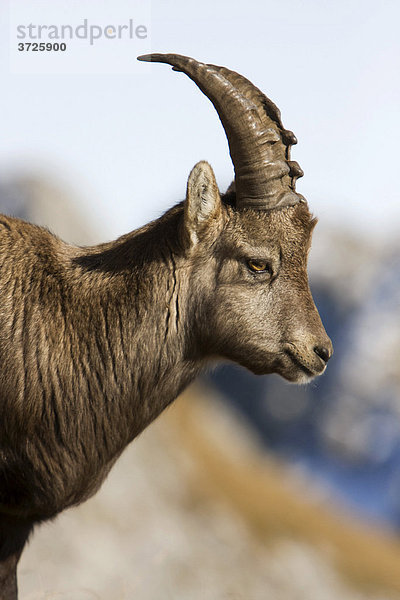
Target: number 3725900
(42,47)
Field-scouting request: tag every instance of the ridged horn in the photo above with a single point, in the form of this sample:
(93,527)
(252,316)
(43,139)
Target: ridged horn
(259,145)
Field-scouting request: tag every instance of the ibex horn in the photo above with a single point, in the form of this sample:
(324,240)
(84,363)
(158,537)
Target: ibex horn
(259,145)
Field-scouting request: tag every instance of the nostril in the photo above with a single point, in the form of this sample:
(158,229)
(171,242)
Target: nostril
(322,352)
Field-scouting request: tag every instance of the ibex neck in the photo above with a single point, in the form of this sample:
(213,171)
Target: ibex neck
(143,320)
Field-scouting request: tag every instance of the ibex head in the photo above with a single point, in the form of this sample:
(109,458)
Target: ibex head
(248,249)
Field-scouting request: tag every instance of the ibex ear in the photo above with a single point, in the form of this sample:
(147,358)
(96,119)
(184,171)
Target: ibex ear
(202,208)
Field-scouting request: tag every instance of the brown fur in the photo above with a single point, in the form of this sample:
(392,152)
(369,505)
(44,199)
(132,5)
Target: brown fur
(96,342)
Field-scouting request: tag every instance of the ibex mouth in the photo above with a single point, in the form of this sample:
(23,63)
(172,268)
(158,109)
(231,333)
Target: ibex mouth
(301,364)
(310,369)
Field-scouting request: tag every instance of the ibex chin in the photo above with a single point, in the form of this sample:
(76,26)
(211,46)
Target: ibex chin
(95,342)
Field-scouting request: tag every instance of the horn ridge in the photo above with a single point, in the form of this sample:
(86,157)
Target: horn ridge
(267,110)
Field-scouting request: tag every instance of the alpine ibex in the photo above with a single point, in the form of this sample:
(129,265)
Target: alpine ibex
(95,342)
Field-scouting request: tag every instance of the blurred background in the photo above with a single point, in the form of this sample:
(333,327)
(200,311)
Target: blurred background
(247,488)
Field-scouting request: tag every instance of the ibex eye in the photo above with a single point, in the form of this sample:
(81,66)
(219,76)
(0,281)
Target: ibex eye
(259,266)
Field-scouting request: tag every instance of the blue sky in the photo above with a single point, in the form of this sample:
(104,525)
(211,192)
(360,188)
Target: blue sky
(124,144)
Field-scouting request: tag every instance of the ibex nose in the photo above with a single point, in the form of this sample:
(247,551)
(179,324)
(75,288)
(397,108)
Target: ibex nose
(324,352)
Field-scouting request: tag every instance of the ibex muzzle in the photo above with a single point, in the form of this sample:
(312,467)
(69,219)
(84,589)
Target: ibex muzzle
(96,342)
